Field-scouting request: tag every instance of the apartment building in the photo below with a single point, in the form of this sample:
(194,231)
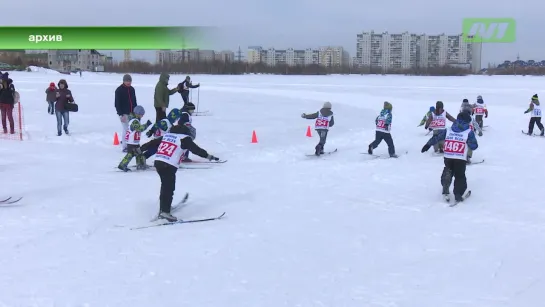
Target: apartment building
(192,55)
(76,59)
(405,50)
(326,56)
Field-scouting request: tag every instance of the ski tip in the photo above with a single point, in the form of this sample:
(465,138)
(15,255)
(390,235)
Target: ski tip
(222,215)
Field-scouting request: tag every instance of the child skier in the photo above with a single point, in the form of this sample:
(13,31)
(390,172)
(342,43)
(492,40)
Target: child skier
(324,121)
(51,97)
(438,122)
(157,131)
(480,110)
(167,161)
(458,139)
(187,120)
(383,124)
(428,115)
(132,138)
(535,109)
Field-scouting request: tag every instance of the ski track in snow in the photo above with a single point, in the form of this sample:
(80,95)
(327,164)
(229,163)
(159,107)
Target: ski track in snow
(341,230)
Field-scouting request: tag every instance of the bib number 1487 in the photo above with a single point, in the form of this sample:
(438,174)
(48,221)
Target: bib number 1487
(455,147)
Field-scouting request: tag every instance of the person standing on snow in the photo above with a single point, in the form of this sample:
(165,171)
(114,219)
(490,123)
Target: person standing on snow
(50,97)
(437,122)
(383,124)
(458,139)
(132,138)
(535,110)
(480,110)
(63,96)
(125,102)
(161,97)
(183,88)
(7,101)
(324,120)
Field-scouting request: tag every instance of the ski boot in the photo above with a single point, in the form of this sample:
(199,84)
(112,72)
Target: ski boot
(167,216)
(66,131)
(142,167)
(124,168)
(370,150)
(458,198)
(542,132)
(394,156)
(319,150)
(59,133)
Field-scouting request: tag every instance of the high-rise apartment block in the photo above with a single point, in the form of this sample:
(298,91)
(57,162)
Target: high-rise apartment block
(325,56)
(403,51)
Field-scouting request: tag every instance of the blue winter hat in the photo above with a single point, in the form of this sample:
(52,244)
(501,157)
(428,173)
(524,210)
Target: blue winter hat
(432,109)
(139,110)
(174,115)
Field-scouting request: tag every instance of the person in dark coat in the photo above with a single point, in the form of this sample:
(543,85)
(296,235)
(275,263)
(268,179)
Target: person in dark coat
(125,102)
(50,97)
(7,101)
(63,97)
(183,88)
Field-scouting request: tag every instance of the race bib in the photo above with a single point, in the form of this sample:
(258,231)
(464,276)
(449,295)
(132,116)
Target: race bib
(437,123)
(136,135)
(322,122)
(454,147)
(381,124)
(166,149)
(479,111)
(127,134)
(537,112)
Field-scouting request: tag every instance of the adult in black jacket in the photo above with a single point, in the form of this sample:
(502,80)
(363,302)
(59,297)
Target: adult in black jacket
(125,101)
(7,101)
(183,88)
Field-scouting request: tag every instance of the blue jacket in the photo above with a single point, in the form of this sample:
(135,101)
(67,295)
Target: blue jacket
(125,100)
(388,114)
(457,126)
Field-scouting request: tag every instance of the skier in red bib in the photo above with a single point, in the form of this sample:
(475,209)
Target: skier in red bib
(324,120)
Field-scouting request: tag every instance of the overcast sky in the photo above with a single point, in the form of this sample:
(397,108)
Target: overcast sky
(294,23)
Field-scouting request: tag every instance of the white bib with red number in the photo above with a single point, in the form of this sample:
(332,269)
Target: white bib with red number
(381,124)
(322,122)
(480,109)
(455,146)
(159,132)
(132,137)
(438,122)
(170,150)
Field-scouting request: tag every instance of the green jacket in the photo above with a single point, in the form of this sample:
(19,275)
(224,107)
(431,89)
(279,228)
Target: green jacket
(162,94)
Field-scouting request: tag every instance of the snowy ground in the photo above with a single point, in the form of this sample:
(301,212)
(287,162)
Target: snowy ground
(341,230)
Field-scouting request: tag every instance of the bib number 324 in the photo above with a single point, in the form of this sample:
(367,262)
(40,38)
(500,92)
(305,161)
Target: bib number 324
(166,149)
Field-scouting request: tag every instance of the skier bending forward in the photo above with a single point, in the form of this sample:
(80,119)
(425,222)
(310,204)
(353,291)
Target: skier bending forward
(167,161)
(458,139)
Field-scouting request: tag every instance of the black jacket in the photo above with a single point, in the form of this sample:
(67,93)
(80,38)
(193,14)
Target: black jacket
(125,100)
(6,94)
(187,143)
(185,86)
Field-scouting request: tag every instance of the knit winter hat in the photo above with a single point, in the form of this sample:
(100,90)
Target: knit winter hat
(62,81)
(139,110)
(327,105)
(464,117)
(465,100)
(439,105)
(52,84)
(127,78)
(388,106)
(535,97)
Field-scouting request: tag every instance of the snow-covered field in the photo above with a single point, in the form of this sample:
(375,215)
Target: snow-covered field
(341,230)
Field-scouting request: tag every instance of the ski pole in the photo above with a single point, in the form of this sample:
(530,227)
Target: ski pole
(198,98)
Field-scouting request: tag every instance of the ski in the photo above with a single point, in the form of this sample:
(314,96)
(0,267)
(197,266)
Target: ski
(526,133)
(9,201)
(206,162)
(478,162)
(468,194)
(194,166)
(325,153)
(179,206)
(446,197)
(384,156)
(182,222)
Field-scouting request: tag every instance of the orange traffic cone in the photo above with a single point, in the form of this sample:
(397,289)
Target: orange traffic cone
(116,139)
(254,137)
(309,133)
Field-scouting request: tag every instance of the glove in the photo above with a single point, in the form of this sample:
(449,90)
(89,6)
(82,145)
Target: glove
(148,122)
(480,133)
(486,116)
(149,133)
(303,115)
(526,112)
(430,129)
(123,118)
(212,158)
(425,148)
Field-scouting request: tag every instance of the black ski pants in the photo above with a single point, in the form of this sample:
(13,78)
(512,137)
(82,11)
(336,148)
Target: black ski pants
(185,96)
(322,134)
(454,168)
(160,114)
(167,173)
(479,120)
(537,121)
(387,137)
